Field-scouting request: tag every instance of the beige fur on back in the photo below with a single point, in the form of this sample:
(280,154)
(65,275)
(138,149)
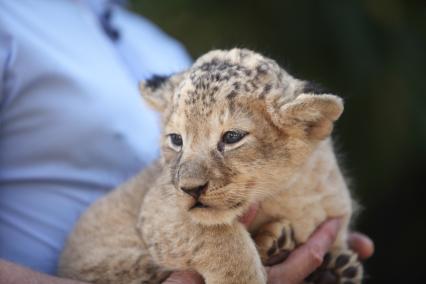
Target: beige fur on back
(284,161)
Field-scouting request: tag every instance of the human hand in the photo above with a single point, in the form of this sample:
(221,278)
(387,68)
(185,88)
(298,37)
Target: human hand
(309,256)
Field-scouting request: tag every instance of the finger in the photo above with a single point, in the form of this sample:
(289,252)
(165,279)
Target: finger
(361,244)
(184,277)
(249,215)
(306,258)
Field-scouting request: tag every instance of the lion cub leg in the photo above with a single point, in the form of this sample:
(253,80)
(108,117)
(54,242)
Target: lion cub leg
(275,241)
(229,256)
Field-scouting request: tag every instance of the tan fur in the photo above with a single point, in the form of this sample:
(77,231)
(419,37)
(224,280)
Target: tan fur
(148,227)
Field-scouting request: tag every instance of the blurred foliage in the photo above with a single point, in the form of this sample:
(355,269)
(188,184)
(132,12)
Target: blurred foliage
(373,53)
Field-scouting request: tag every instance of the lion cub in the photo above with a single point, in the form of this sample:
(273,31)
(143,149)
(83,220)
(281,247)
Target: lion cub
(238,129)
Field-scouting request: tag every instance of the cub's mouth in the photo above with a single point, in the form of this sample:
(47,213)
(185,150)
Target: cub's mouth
(210,213)
(198,204)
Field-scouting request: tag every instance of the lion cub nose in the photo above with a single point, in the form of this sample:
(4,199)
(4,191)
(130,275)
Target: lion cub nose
(195,191)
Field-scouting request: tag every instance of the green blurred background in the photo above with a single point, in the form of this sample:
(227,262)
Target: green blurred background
(373,53)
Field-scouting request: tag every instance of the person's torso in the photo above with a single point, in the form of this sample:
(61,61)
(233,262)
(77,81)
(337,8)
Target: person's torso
(72,123)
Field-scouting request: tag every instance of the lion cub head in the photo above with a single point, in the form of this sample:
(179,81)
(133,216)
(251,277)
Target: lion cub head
(236,128)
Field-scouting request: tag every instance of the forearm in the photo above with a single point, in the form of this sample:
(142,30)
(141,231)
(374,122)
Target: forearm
(11,273)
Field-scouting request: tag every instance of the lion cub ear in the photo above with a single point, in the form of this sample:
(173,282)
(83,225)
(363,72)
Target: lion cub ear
(310,115)
(158,90)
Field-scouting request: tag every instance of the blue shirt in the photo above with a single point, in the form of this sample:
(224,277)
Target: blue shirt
(72,123)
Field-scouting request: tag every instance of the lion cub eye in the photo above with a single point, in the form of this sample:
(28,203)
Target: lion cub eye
(231,137)
(176,140)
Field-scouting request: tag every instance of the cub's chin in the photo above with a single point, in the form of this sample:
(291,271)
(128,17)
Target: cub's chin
(210,216)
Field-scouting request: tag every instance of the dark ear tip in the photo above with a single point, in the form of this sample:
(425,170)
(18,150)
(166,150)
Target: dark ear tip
(155,81)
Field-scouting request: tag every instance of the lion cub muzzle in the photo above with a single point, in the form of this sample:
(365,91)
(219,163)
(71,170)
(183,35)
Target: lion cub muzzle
(193,180)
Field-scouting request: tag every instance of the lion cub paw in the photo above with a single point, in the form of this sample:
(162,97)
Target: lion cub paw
(341,267)
(274,242)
